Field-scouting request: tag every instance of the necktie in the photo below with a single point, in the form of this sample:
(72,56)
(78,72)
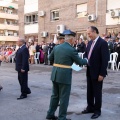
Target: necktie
(90,52)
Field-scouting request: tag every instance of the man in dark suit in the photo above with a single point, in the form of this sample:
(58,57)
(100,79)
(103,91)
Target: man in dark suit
(50,48)
(81,46)
(22,67)
(45,51)
(98,56)
(63,56)
(110,44)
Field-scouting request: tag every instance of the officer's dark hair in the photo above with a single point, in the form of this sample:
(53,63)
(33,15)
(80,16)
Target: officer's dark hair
(93,28)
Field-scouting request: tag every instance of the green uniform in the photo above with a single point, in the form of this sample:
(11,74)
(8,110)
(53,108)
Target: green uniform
(63,54)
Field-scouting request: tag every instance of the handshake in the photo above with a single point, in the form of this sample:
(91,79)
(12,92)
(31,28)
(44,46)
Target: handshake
(86,60)
(76,67)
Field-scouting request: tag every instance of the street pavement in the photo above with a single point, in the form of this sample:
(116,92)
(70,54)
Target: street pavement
(36,105)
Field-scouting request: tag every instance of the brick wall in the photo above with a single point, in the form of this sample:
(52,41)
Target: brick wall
(21,17)
(68,16)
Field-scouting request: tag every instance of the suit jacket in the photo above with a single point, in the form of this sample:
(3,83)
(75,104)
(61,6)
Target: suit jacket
(110,46)
(64,54)
(81,47)
(22,57)
(37,48)
(99,58)
(51,46)
(45,49)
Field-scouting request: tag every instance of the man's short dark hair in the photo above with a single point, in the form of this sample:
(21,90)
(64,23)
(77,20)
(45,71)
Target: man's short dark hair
(93,28)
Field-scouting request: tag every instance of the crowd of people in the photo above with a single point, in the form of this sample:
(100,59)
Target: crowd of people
(7,53)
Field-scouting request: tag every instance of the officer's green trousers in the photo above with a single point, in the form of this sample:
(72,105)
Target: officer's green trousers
(60,93)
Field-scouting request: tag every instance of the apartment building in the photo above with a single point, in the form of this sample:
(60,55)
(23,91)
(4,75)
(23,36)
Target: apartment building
(50,17)
(28,19)
(9,28)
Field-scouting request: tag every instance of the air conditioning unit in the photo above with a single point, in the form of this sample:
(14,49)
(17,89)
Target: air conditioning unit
(60,28)
(44,34)
(91,17)
(115,13)
(41,13)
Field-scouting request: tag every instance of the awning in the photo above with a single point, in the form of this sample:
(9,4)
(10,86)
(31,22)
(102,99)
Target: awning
(11,7)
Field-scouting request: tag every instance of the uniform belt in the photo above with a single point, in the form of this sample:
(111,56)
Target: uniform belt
(61,66)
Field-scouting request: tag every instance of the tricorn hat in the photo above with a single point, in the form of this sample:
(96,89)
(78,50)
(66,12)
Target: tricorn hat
(69,32)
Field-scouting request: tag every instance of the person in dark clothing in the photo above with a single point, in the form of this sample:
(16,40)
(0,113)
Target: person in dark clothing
(98,56)
(45,51)
(50,48)
(110,44)
(81,46)
(37,47)
(22,67)
(1,87)
(116,43)
(117,49)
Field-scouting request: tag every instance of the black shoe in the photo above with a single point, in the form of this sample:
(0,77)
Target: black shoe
(1,88)
(29,91)
(22,97)
(52,118)
(95,115)
(86,111)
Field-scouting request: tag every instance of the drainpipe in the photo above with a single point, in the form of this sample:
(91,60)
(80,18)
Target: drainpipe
(96,9)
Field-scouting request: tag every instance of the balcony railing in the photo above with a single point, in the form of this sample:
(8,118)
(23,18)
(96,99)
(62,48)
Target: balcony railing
(8,12)
(6,15)
(29,23)
(8,38)
(7,23)
(8,35)
(13,27)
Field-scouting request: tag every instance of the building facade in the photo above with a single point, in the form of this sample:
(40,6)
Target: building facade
(9,28)
(42,19)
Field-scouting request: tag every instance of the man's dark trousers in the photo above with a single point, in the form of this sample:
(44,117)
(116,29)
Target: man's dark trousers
(23,80)
(94,93)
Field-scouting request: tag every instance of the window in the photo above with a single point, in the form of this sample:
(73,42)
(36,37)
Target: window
(81,34)
(112,30)
(31,18)
(81,10)
(54,15)
(10,33)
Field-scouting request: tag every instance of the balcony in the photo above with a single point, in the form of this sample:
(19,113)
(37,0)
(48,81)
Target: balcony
(7,15)
(9,27)
(9,38)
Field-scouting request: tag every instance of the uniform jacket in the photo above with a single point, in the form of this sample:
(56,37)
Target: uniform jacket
(64,54)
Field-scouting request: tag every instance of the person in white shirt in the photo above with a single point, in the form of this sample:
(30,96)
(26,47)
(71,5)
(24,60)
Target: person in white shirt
(32,51)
